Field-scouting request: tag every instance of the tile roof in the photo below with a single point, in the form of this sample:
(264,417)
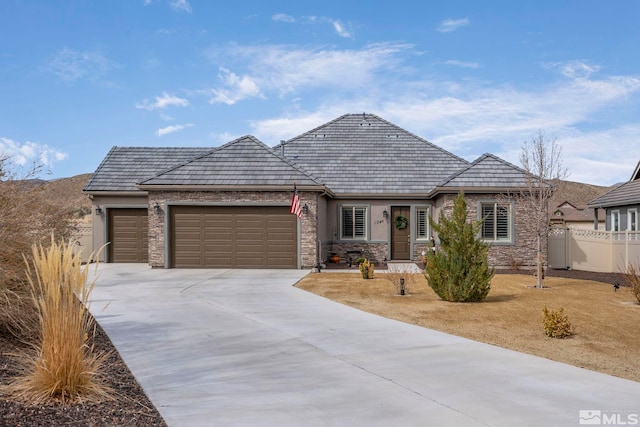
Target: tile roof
(124,167)
(625,194)
(487,171)
(244,161)
(364,154)
(353,155)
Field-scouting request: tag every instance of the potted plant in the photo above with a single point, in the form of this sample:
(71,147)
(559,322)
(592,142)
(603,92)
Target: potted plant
(334,258)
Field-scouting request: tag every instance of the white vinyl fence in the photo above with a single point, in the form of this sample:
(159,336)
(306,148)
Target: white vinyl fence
(593,250)
(84,241)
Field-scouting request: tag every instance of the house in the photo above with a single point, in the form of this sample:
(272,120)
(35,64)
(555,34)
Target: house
(569,215)
(367,188)
(621,204)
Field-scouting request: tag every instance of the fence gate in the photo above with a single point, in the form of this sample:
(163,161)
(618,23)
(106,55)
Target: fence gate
(558,248)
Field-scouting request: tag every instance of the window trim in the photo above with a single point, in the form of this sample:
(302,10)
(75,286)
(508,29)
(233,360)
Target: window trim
(615,215)
(510,218)
(366,220)
(632,225)
(427,231)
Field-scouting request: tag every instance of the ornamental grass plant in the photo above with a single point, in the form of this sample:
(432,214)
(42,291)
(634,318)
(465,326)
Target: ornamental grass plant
(64,366)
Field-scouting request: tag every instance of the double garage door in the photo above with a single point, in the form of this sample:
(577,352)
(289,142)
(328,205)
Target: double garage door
(232,237)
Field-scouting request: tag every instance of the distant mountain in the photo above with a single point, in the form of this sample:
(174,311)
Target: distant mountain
(64,191)
(69,192)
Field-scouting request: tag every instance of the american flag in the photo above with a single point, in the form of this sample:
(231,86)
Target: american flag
(295,203)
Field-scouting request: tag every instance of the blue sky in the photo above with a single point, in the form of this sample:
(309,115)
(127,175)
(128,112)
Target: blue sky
(78,77)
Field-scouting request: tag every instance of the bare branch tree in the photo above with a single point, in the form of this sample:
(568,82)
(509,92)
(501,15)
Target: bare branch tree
(28,215)
(541,158)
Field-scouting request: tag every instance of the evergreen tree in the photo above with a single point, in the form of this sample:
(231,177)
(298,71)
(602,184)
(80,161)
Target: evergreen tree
(458,271)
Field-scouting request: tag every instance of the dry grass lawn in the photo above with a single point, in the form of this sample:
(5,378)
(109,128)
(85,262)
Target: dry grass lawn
(606,323)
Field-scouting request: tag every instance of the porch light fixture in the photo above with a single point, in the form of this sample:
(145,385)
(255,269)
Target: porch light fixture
(305,209)
(385,214)
(156,209)
(98,210)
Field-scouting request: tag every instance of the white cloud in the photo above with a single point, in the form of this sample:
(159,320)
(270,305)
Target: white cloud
(223,138)
(30,152)
(340,29)
(281,17)
(462,64)
(180,5)
(163,101)
(71,65)
(177,5)
(573,69)
(236,88)
(285,69)
(171,129)
(450,25)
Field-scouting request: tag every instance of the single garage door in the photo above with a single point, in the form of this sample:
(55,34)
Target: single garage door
(128,230)
(233,237)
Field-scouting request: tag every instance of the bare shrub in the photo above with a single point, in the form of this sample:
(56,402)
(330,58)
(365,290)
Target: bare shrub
(556,324)
(64,366)
(632,278)
(28,215)
(402,278)
(515,264)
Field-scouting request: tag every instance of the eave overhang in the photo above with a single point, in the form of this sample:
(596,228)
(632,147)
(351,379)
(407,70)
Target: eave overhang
(231,187)
(477,190)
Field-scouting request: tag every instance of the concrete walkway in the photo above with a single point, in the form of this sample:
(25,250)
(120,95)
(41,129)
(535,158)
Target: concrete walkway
(245,348)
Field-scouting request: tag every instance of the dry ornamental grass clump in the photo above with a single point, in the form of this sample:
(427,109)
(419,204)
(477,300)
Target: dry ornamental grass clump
(64,366)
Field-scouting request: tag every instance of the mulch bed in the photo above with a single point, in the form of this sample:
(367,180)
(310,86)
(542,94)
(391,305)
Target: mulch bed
(131,406)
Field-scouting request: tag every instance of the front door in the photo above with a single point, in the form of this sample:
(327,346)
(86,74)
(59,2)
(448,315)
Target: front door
(400,233)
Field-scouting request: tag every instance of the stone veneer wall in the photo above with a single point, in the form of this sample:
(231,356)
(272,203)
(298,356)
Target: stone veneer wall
(308,223)
(373,251)
(522,252)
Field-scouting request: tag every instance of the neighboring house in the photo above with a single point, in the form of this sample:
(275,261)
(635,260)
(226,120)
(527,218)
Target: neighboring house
(621,204)
(568,215)
(360,180)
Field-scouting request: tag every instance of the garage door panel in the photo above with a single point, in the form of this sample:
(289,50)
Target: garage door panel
(233,236)
(127,235)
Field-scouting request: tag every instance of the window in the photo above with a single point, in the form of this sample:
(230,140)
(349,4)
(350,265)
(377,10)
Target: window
(422,223)
(497,222)
(354,222)
(615,220)
(632,220)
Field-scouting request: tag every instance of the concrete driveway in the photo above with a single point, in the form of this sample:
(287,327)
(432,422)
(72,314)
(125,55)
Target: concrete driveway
(245,348)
